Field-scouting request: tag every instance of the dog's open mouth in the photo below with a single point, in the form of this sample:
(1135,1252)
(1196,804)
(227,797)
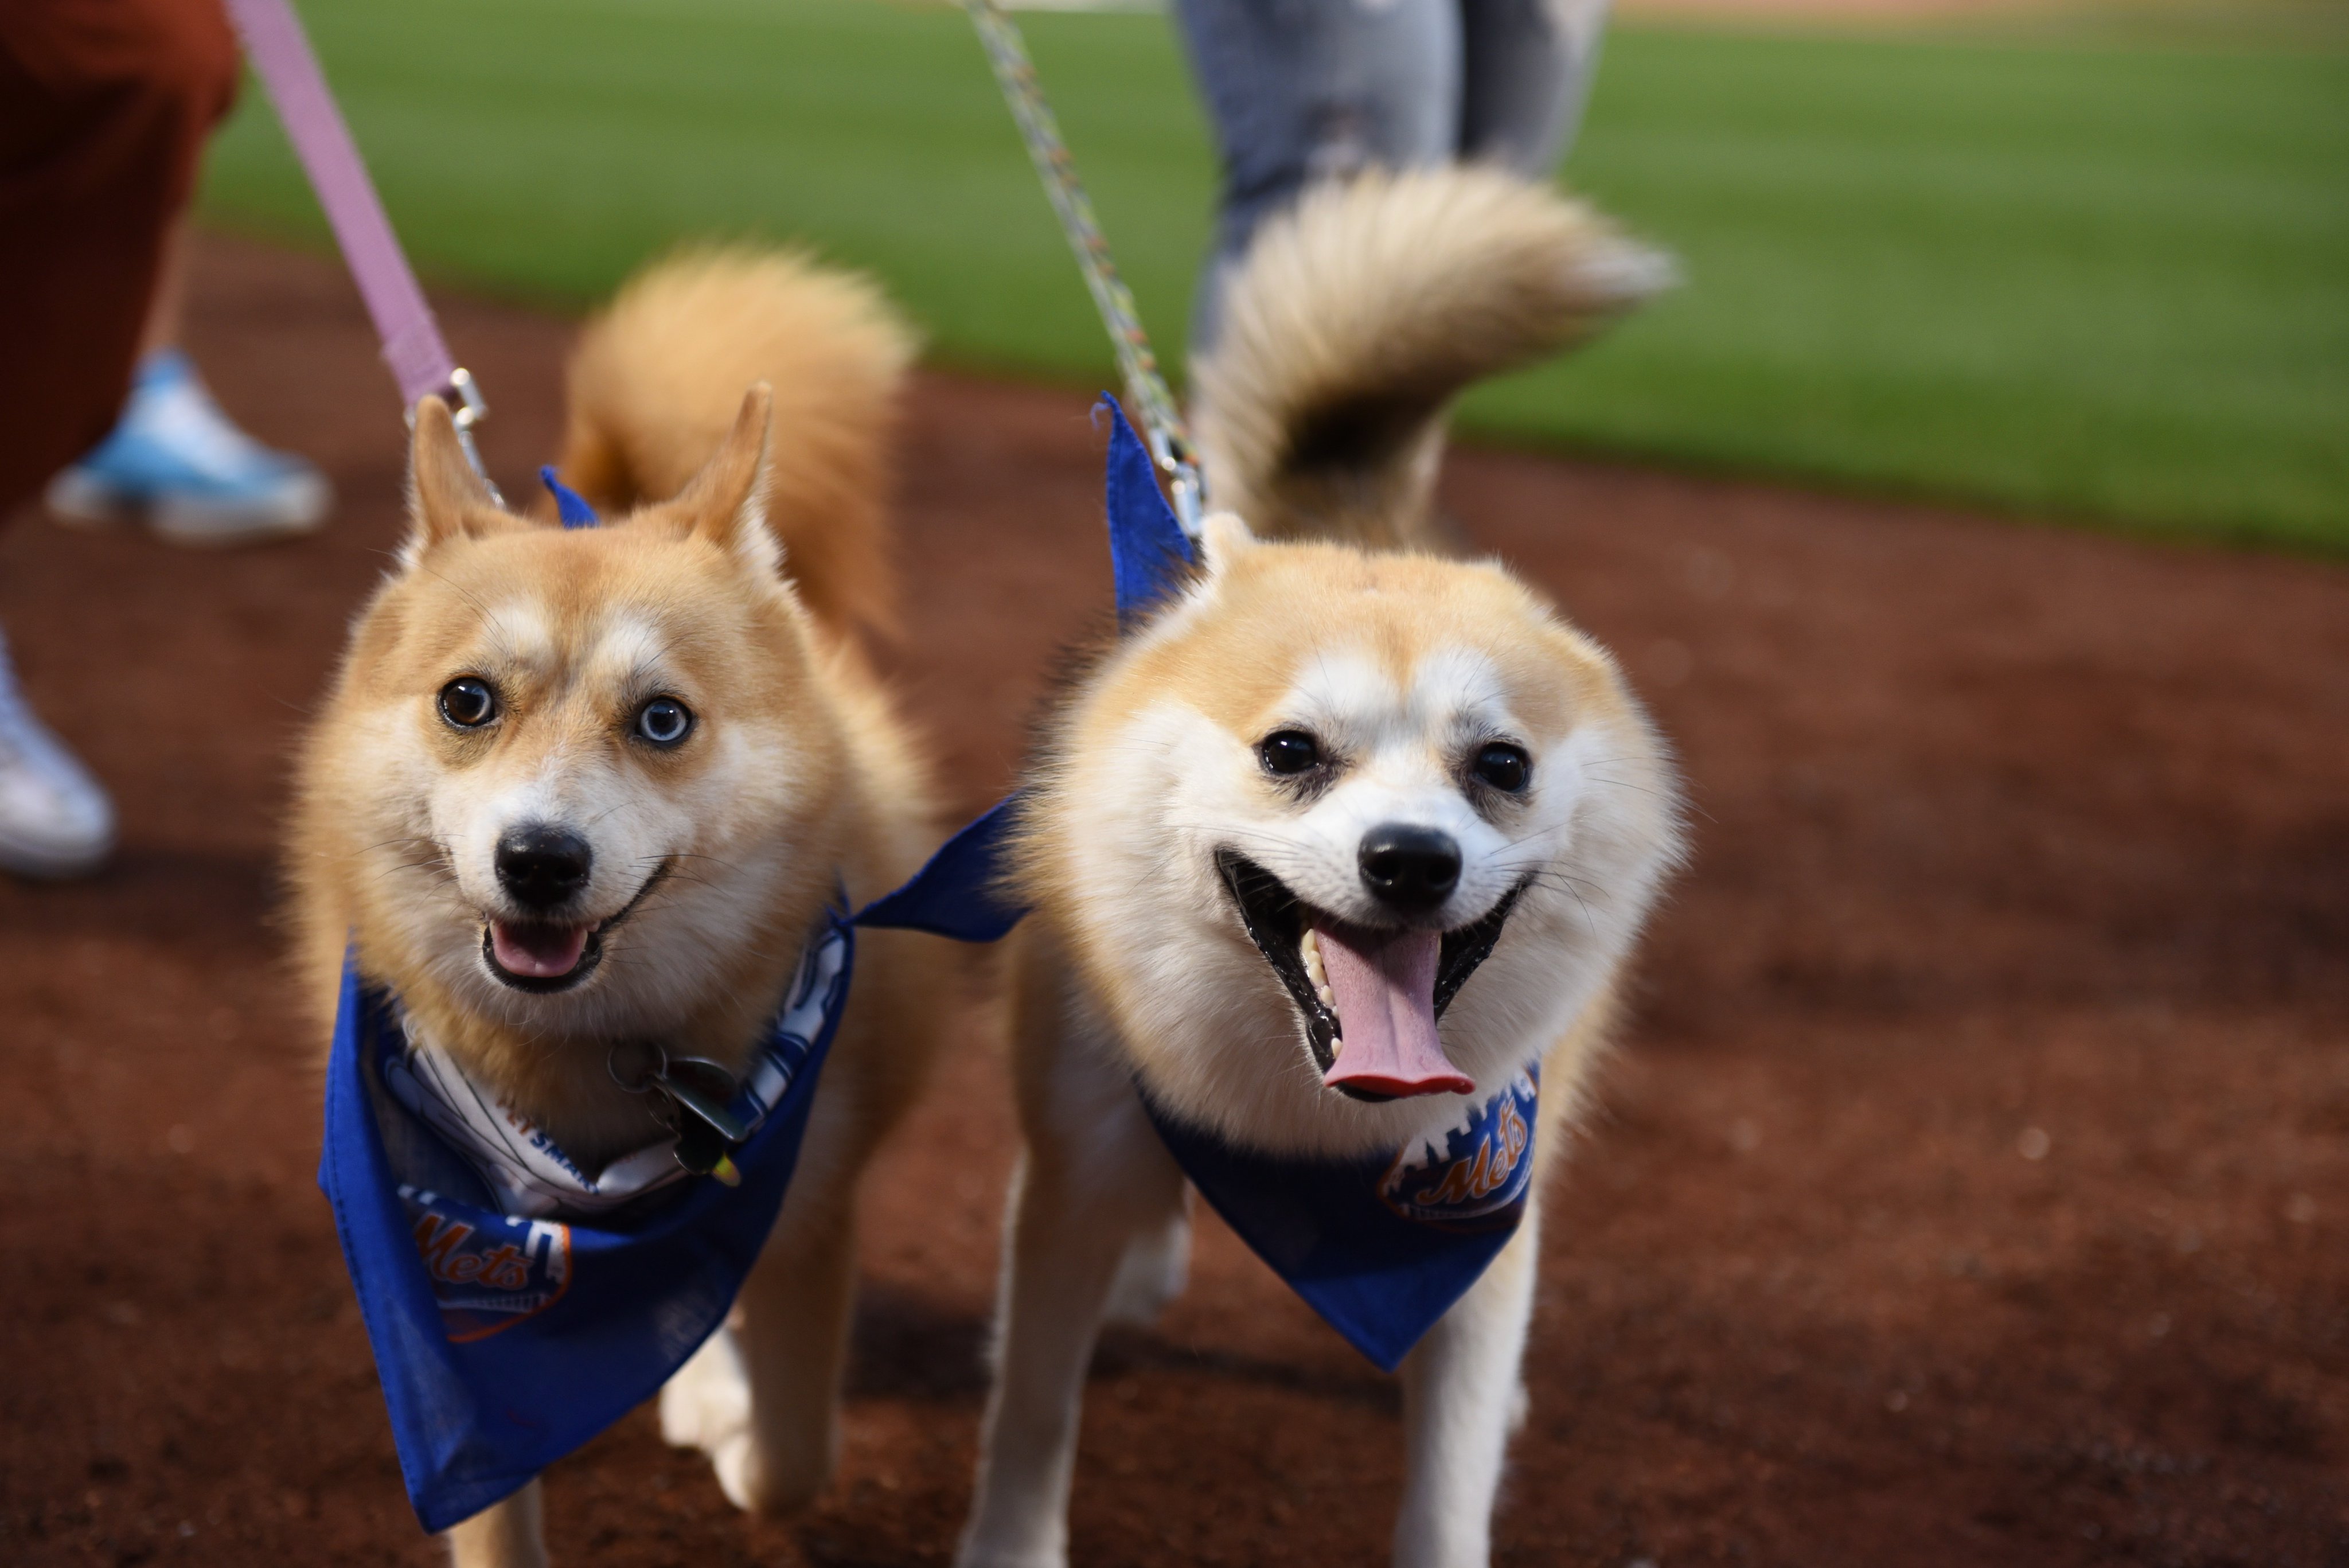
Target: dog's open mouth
(1369,999)
(545,957)
(541,958)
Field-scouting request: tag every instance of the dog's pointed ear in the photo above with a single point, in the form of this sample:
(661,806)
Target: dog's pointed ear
(1223,539)
(726,503)
(446,497)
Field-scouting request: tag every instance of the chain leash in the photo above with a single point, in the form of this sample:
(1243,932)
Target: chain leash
(1145,389)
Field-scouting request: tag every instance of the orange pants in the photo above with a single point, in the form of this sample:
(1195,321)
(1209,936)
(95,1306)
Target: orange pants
(104,108)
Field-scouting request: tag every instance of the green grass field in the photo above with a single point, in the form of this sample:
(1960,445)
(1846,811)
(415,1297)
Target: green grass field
(2107,280)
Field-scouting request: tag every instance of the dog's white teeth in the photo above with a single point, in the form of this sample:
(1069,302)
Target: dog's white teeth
(1308,948)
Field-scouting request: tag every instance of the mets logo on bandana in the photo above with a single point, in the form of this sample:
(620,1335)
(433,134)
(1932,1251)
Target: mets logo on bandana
(1481,1178)
(488,1272)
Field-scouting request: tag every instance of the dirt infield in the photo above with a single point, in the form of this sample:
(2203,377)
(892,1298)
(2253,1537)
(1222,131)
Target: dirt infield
(1973,1187)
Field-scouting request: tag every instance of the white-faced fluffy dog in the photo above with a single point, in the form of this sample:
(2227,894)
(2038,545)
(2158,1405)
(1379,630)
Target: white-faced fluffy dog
(1338,847)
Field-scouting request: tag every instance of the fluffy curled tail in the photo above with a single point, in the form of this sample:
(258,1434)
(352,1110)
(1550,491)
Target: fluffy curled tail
(658,376)
(1356,318)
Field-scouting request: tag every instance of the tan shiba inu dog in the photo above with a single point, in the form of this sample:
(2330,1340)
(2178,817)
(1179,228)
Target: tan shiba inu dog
(578,787)
(1333,840)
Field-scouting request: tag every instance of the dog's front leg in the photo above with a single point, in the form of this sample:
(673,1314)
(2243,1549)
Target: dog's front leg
(790,1329)
(1461,1401)
(1093,1178)
(761,1399)
(508,1534)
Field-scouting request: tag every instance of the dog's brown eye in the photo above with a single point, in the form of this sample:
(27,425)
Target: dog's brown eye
(1503,766)
(468,703)
(1288,752)
(664,721)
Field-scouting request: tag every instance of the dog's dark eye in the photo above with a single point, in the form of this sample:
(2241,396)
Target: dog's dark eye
(1287,751)
(664,721)
(468,703)
(1503,766)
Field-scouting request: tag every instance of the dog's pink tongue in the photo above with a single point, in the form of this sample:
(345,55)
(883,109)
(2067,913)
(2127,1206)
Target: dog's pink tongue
(1383,987)
(538,952)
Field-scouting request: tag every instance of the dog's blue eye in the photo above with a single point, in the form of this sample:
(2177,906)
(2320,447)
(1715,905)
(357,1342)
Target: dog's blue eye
(468,703)
(1503,766)
(664,721)
(1287,751)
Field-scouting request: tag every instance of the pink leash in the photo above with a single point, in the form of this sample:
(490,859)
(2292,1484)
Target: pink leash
(419,358)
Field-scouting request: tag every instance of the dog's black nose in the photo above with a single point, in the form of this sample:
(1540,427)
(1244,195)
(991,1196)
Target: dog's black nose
(540,866)
(1411,868)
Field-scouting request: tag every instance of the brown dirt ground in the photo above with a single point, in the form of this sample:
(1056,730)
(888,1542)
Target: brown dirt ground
(2000,829)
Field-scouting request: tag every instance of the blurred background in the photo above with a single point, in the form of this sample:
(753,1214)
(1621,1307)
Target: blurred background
(2051,257)
(1972,1185)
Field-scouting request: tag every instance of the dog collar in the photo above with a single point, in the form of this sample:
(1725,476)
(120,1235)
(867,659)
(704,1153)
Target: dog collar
(524,1172)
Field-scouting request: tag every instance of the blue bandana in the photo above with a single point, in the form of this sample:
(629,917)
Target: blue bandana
(1150,557)
(570,508)
(1381,1248)
(517,1308)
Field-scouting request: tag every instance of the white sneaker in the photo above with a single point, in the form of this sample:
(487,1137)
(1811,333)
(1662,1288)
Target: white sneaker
(178,464)
(55,819)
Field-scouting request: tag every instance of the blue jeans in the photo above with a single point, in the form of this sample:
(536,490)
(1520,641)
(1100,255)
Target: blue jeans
(1303,90)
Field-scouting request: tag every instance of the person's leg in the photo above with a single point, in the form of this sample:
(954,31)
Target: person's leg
(1302,90)
(104,105)
(103,111)
(56,820)
(167,307)
(176,462)
(1525,71)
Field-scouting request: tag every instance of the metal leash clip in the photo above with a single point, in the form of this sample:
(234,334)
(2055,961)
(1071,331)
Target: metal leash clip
(693,1098)
(471,409)
(1173,453)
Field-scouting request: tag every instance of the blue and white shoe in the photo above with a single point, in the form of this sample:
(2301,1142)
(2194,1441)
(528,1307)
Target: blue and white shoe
(178,464)
(55,819)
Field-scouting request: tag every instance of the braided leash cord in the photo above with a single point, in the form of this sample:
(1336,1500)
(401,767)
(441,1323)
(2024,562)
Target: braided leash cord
(1015,73)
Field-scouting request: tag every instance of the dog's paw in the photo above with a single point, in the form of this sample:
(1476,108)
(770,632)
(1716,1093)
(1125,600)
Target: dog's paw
(707,1404)
(1155,1268)
(770,1481)
(740,1476)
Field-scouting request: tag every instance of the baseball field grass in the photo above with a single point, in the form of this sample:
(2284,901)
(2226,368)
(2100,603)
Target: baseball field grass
(2094,279)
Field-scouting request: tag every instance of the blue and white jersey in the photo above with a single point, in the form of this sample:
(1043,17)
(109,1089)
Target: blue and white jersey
(527,1174)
